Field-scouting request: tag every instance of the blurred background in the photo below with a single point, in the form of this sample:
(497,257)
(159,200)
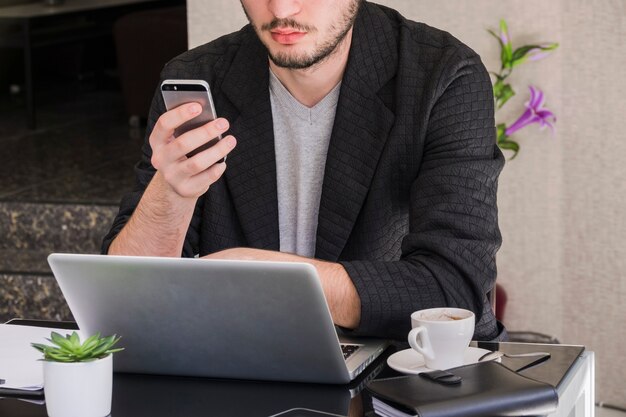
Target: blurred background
(72,125)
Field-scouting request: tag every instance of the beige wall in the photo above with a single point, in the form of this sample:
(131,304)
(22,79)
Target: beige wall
(563,199)
(210,19)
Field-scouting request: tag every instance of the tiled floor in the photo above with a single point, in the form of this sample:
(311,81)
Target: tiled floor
(82,151)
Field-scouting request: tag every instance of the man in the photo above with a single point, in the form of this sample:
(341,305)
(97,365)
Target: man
(359,142)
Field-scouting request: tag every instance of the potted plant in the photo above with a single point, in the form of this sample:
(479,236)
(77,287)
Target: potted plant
(534,112)
(78,377)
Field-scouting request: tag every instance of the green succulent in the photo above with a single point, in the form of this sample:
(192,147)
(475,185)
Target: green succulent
(69,348)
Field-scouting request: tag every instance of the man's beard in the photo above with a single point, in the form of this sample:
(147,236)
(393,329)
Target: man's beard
(323,51)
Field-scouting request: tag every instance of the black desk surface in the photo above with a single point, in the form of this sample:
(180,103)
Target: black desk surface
(156,396)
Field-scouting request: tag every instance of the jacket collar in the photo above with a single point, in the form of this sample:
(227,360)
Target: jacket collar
(362,125)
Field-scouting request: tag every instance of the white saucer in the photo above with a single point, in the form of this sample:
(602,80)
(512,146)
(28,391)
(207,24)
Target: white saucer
(409,361)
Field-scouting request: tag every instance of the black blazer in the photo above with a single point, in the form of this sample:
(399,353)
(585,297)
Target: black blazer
(408,202)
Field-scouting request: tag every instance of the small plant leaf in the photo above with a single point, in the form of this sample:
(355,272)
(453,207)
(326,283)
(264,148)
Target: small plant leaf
(501,132)
(58,356)
(90,344)
(40,347)
(505,92)
(75,340)
(105,345)
(495,35)
(60,341)
(69,348)
(511,146)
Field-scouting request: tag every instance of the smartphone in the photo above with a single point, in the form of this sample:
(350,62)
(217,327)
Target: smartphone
(304,412)
(178,92)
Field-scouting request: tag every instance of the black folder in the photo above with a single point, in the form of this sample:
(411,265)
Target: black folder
(486,389)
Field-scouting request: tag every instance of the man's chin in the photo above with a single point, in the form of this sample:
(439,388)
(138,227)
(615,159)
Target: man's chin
(291,61)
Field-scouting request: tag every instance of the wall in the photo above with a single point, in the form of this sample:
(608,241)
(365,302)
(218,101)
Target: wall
(563,199)
(209,22)
(593,198)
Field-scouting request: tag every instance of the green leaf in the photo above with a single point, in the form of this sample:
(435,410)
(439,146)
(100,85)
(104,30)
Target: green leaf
(61,341)
(497,88)
(39,347)
(105,345)
(501,132)
(504,28)
(511,146)
(507,49)
(505,93)
(92,339)
(523,51)
(75,340)
(521,54)
(59,357)
(90,344)
(505,57)
(499,77)
(495,35)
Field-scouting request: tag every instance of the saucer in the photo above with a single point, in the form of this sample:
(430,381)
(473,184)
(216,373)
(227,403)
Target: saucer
(409,361)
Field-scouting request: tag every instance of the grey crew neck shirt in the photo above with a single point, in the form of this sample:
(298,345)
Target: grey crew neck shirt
(301,138)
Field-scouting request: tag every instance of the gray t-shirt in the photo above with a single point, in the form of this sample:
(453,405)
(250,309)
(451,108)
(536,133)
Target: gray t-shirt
(301,137)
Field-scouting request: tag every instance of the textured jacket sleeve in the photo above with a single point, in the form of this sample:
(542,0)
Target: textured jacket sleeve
(448,256)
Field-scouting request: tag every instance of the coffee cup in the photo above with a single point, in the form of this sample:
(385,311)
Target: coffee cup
(442,335)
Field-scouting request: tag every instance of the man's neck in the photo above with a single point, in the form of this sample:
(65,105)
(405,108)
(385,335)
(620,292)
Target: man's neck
(309,86)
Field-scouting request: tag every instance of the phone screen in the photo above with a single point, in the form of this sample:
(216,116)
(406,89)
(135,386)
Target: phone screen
(178,92)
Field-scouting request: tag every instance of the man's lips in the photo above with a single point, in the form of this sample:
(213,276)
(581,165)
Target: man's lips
(287,37)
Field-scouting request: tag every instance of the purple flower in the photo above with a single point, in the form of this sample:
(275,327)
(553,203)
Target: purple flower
(534,113)
(537,54)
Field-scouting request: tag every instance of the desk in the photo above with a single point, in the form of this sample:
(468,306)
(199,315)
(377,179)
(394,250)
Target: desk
(37,25)
(577,391)
(156,396)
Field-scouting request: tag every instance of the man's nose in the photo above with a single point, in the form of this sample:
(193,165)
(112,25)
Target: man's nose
(282,9)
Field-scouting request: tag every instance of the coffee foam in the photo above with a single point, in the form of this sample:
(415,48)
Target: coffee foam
(441,316)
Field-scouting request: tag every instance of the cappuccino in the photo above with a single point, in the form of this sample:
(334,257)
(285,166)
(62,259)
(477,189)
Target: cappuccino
(442,316)
(441,335)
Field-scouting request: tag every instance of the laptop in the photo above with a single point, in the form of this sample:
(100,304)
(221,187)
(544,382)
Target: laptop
(212,318)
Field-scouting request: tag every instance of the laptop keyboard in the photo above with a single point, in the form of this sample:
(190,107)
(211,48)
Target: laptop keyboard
(348,350)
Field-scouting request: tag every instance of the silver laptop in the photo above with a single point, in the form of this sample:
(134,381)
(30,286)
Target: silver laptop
(212,318)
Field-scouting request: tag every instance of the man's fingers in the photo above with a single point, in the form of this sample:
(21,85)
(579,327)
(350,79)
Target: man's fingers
(195,138)
(211,175)
(170,120)
(203,160)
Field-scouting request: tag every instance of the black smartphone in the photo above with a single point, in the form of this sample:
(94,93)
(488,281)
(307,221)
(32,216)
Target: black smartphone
(178,92)
(304,412)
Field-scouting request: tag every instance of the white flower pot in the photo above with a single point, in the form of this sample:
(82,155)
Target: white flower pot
(81,389)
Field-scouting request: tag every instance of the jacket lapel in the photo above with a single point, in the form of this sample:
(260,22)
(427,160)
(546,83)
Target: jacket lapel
(251,172)
(362,125)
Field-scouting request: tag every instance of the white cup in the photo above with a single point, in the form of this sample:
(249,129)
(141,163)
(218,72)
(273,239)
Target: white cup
(442,335)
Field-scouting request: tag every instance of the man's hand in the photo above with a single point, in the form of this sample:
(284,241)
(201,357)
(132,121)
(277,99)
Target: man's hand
(161,219)
(189,177)
(341,295)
